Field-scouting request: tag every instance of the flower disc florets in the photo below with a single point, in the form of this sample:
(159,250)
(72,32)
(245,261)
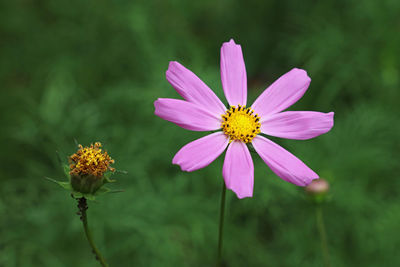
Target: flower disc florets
(90,160)
(87,167)
(240,123)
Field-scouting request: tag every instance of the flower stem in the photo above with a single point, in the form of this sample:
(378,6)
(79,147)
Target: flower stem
(221,224)
(322,234)
(82,205)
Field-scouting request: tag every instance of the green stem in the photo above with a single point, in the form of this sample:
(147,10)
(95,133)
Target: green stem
(82,205)
(221,224)
(322,234)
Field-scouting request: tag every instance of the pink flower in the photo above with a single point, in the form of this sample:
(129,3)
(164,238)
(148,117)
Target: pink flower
(239,125)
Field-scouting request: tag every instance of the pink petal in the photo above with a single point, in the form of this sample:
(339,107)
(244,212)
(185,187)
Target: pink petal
(298,125)
(233,74)
(238,170)
(201,152)
(283,163)
(187,115)
(191,88)
(283,93)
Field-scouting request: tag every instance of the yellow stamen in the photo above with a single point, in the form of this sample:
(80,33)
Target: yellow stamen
(240,123)
(90,161)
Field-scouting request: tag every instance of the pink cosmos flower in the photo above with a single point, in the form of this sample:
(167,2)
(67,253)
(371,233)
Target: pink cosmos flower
(240,125)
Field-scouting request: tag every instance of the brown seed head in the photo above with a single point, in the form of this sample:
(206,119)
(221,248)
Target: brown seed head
(90,161)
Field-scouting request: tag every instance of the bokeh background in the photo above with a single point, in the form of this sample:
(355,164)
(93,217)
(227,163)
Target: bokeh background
(90,71)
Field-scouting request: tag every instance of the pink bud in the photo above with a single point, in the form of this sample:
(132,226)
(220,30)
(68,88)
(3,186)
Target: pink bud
(317,187)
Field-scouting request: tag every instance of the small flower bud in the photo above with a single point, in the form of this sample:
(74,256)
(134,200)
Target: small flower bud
(319,186)
(87,168)
(317,190)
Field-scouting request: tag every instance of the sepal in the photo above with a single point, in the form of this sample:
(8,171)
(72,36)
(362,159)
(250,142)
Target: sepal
(65,185)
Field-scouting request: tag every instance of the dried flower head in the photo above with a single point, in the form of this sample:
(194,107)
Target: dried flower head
(90,161)
(87,168)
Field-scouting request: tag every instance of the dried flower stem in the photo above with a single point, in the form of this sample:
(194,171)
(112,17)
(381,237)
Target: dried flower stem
(221,224)
(82,205)
(322,234)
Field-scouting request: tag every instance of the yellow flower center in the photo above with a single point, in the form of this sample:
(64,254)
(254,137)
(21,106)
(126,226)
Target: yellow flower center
(240,123)
(90,161)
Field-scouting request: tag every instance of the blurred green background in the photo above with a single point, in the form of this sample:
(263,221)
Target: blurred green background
(90,70)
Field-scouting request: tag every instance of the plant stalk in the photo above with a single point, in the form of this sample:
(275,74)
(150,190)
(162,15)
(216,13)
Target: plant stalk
(221,224)
(82,205)
(322,234)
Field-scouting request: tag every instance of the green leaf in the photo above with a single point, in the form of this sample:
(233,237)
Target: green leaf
(77,194)
(107,175)
(121,171)
(65,185)
(60,161)
(76,143)
(89,196)
(66,171)
(108,180)
(116,191)
(102,190)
